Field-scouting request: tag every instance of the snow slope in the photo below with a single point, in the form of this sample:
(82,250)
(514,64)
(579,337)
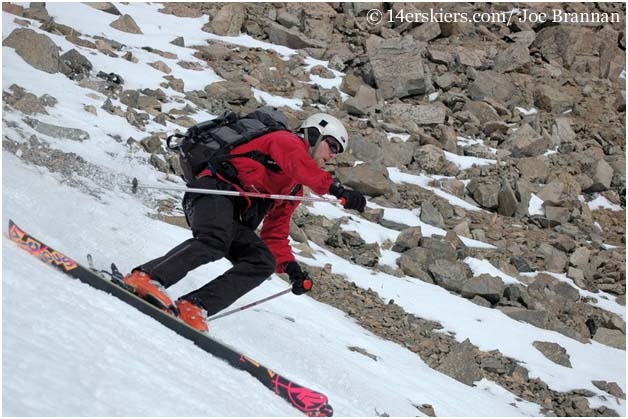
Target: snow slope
(69,350)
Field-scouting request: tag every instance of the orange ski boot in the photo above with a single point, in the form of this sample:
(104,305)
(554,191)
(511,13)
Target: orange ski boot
(150,290)
(192,314)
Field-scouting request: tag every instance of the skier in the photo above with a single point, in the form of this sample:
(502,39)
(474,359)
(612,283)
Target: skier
(224,226)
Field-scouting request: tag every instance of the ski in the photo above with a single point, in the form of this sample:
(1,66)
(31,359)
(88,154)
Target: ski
(308,401)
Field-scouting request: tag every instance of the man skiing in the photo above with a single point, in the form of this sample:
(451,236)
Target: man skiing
(224,226)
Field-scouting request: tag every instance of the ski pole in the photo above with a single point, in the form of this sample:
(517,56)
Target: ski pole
(254,303)
(136,185)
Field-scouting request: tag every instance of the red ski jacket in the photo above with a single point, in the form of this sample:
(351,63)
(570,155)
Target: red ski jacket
(290,152)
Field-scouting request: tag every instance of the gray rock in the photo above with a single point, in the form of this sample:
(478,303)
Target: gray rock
(365,98)
(610,337)
(37,11)
(538,318)
(552,192)
(403,113)
(512,58)
(29,104)
(426,32)
(127,24)
(130,98)
(552,100)
(291,37)
(555,260)
(430,158)
(493,365)
(611,388)
(533,169)
(491,84)
(580,257)
(57,131)
(560,215)
(451,275)
(601,174)
(431,215)
(485,192)
(398,68)
(506,200)
(368,179)
(77,66)
(482,111)
(36,49)
(554,352)
(232,92)
(228,21)
(470,57)
(525,142)
(562,131)
(566,292)
(414,263)
(407,239)
(486,286)
(460,364)
(447,81)
(438,245)
(526,38)
(178,41)
(105,7)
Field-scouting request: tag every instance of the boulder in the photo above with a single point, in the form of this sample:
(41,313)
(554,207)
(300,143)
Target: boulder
(36,49)
(431,215)
(554,352)
(291,37)
(491,84)
(414,263)
(610,337)
(407,239)
(525,142)
(601,173)
(450,275)
(77,66)
(506,200)
(398,68)
(368,179)
(126,24)
(460,364)
(365,98)
(405,114)
(486,286)
(512,58)
(228,21)
(485,192)
(552,100)
(56,131)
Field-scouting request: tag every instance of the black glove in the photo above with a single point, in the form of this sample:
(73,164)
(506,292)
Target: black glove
(350,199)
(301,281)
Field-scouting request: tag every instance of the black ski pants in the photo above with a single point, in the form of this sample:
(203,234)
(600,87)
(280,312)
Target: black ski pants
(217,233)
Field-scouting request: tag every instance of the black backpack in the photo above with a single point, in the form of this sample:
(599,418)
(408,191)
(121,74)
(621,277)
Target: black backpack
(208,144)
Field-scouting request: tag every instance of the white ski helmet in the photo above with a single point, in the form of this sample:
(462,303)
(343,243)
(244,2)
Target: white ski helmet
(326,125)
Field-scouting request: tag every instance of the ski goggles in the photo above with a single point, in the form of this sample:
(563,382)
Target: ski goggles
(334,146)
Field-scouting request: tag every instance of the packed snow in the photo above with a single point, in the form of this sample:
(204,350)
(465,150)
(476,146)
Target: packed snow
(70,350)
